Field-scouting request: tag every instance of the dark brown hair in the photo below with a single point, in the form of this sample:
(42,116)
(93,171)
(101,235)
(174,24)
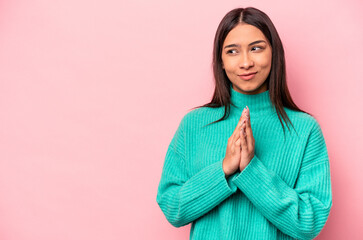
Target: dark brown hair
(276,80)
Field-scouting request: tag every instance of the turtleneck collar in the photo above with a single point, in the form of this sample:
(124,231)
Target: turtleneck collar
(257,103)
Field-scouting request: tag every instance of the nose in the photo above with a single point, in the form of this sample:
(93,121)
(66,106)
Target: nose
(246,61)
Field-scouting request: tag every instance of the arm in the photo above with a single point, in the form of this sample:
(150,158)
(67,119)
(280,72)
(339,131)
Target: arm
(184,198)
(299,212)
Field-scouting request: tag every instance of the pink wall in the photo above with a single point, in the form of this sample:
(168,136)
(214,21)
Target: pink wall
(91,93)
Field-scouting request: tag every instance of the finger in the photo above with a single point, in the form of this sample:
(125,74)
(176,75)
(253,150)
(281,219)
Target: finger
(240,139)
(241,118)
(235,134)
(247,113)
(238,144)
(243,114)
(243,138)
(249,134)
(237,130)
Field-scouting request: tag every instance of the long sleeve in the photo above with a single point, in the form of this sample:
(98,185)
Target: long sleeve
(184,198)
(301,211)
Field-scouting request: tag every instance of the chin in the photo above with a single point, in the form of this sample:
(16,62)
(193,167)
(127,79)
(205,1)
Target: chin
(251,89)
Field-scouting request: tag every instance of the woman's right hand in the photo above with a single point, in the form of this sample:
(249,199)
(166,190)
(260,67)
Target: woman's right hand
(232,159)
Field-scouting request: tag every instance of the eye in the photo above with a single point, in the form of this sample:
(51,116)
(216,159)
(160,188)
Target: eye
(232,51)
(256,48)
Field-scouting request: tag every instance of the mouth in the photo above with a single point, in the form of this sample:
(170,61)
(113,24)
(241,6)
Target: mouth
(247,76)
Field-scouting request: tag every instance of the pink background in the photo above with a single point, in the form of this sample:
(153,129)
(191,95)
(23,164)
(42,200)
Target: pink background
(91,93)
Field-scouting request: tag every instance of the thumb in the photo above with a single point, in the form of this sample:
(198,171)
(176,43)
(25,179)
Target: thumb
(238,143)
(243,138)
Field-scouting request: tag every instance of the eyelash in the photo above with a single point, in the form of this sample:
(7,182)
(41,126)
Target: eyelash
(231,51)
(258,47)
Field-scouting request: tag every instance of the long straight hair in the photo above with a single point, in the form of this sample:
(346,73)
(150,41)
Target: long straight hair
(276,81)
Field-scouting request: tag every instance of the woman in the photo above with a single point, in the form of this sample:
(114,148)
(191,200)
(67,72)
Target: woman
(231,169)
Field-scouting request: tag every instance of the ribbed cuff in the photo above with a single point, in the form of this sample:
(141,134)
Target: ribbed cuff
(226,184)
(204,191)
(251,179)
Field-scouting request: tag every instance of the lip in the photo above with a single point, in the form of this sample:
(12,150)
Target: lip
(247,76)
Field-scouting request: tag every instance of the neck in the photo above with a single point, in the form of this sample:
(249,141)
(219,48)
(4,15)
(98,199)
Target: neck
(259,104)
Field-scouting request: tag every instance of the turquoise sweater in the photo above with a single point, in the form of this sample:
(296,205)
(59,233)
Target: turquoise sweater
(283,193)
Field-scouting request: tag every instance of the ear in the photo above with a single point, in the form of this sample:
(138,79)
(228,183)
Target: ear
(222,65)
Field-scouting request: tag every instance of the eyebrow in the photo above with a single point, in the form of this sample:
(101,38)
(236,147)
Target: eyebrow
(237,45)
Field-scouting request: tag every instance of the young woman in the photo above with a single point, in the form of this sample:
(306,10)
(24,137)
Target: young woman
(231,169)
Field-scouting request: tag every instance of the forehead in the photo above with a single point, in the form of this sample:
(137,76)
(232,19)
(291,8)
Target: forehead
(244,34)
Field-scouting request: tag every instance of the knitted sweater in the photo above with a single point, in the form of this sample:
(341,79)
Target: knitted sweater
(283,193)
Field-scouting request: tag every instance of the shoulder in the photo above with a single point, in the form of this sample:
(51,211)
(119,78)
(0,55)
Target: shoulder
(201,116)
(304,121)
(301,117)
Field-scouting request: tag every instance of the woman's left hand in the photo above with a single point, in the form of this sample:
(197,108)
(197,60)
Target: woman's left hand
(247,142)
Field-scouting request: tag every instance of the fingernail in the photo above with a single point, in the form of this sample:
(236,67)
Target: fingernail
(247,112)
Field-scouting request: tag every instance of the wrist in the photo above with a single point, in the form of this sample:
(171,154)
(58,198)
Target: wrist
(226,170)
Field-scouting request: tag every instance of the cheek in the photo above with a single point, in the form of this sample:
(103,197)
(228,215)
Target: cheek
(229,65)
(265,61)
